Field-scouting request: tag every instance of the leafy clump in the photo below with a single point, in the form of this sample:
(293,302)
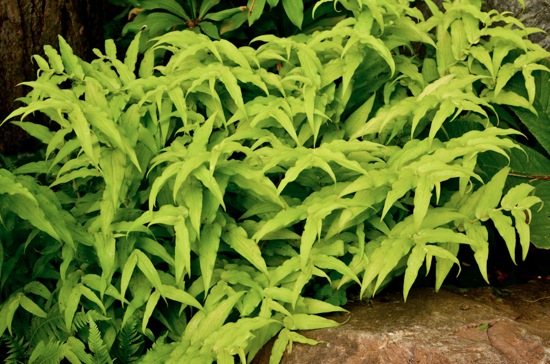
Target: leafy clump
(188,202)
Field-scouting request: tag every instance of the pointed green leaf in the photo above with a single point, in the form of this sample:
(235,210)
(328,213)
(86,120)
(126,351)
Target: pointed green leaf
(295,11)
(301,321)
(179,295)
(182,250)
(31,307)
(492,194)
(168,5)
(149,309)
(414,262)
(127,272)
(208,251)
(238,239)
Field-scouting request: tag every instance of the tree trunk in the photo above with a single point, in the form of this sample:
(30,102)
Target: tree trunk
(25,27)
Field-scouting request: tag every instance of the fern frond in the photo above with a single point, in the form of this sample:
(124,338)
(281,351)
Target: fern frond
(7,163)
(96,316)
(80,320)
(14,349)
(97,345)
(129,344)
(49,328)
(47,353)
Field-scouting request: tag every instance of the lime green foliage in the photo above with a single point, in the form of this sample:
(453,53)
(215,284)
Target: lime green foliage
(188,207)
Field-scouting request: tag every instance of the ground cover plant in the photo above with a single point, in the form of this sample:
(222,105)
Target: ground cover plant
(191,197)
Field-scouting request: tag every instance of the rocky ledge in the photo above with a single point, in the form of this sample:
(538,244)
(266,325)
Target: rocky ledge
(480,325)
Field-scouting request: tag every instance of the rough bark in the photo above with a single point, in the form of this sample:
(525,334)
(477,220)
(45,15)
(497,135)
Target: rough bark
(535,14)
(25,27)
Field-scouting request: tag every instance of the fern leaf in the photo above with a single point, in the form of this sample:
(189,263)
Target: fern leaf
(129,344)
(97,345)
(14,348)
(51,327)
(46,353)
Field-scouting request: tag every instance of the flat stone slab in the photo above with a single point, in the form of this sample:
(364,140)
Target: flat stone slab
(481,325)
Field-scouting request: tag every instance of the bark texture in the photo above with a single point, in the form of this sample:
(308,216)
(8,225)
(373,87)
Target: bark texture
(535,14)
(25,27)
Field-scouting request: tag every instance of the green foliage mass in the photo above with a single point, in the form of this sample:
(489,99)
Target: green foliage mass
(190,198)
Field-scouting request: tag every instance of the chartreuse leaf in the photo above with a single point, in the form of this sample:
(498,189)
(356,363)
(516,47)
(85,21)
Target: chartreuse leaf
(385,257)
(148,269)
(422,197)
(83,132)
(492,194)
(208,251)
(54,59)
(70,61)
(518,201)
(480,235)
(327,262)
(149,308)
(284,340)
(211,319)
(132,53)
(445,262)
(40,132)
(505,228)
(359,117)
(152,247)
(182,263)
(238,239)
(208,180)
(414,262)
(314,306)
(31,307)
(127,272)
(300,321)
(283,219)
(522,227)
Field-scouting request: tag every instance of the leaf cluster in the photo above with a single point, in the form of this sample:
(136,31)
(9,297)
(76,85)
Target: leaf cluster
(187,204)
(237,21)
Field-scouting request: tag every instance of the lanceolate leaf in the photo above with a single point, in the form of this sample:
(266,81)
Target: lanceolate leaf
(414,262)
(492,194)
(195,195)
(208,251)
(168,5)
(182,250)
(237,239)
(295,11)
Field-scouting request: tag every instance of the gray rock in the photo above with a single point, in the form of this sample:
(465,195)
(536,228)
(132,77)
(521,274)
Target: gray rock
(482,325)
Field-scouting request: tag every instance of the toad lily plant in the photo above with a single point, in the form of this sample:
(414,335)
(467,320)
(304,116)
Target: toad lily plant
(189,199)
